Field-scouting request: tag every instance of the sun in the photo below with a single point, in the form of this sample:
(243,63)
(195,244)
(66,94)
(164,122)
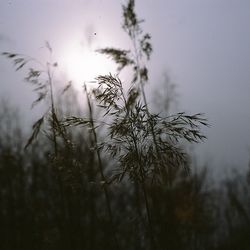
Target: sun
(83,65)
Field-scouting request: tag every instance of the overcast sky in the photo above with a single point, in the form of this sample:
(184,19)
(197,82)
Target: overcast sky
(202,44)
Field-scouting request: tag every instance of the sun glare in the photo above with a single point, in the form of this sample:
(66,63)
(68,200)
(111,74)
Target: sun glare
(83,65)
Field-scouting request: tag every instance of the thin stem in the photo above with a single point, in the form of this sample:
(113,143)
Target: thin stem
(62,195)
(52,110)
(100,165)
(151,232)
(142,179)
(141,83)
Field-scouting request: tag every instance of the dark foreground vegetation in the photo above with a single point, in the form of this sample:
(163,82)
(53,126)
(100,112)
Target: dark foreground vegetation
(59,203)
(113,175)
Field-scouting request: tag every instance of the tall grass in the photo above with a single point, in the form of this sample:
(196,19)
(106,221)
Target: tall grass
(128,187)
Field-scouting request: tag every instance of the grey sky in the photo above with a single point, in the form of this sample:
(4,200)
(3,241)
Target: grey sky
(202,44)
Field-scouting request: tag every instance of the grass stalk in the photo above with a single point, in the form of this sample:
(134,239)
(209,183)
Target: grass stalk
(100,165)
(65,229)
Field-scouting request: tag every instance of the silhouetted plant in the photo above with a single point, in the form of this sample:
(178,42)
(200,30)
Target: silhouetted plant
(101,168)
(145,149)
(146,145)
(42,81)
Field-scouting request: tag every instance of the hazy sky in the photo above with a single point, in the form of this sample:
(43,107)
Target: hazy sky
(202,44)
